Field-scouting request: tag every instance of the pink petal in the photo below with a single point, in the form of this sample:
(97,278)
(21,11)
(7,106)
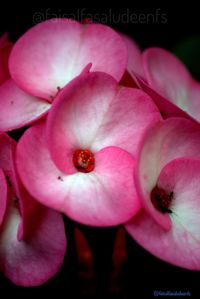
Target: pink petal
(7,163)
(7,145)
(18,108)
(166,107)
(32,147)
(103,197)
(194,103)
(32,261)
(181,245)
(52,53)
(170,84)
(27,205)
(5,48)
(94,112)
(162,143)
(3,197)
(134,56)
(128,116)
(167,75)
(32,238)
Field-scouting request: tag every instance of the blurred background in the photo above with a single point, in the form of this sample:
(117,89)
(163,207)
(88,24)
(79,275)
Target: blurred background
(107,263)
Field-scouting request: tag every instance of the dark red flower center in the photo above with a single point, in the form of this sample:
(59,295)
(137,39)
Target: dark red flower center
(161,200)
(84,160)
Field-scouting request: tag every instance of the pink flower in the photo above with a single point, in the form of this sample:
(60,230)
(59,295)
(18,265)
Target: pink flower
(167,175)
(5,48)
(169,83)
(134,62)
(47,57)
(134,56)
(32,237)
(81,162)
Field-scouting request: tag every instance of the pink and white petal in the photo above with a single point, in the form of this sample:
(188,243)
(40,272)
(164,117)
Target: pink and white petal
(15,188)
(32,251)
(5,49)
(27,237)
(76,116)
(52,53)
(97,198)
(194,100)
(106,196)
(27,205)
(167,75)
(134,56)
(105,49)
(129,114)
(167,108)
(181,245)
(36,259)
(167,140)
(19,108)
(36,169)
(86,114)
(3,197)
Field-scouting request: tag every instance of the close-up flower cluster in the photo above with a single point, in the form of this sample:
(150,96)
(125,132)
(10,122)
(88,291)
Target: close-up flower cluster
(108,135)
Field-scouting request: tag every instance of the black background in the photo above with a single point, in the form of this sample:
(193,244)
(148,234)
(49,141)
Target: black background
(142,274)
(149,26)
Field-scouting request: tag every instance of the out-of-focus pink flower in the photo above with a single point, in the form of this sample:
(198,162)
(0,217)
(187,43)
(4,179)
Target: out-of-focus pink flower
(134,62)
(134,56)
(167,176)
(169,83)
(47,57)
(82,163)
(5,48)
(32,237)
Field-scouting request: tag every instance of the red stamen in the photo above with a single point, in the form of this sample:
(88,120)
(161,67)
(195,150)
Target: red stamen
(84,160)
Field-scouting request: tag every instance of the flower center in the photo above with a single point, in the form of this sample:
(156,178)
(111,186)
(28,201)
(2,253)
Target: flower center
(161,200)
(83,160)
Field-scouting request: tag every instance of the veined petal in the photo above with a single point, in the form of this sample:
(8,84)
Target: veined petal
(34,260)
(194,103)
(134,56)
(167,75)
(19,108)
(94,112)
(106,196)
(52,53)
(32,237)
(166,107)
(181,245)
(167,140)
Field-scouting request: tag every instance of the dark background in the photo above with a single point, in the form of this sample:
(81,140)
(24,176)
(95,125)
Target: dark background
(102,269)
